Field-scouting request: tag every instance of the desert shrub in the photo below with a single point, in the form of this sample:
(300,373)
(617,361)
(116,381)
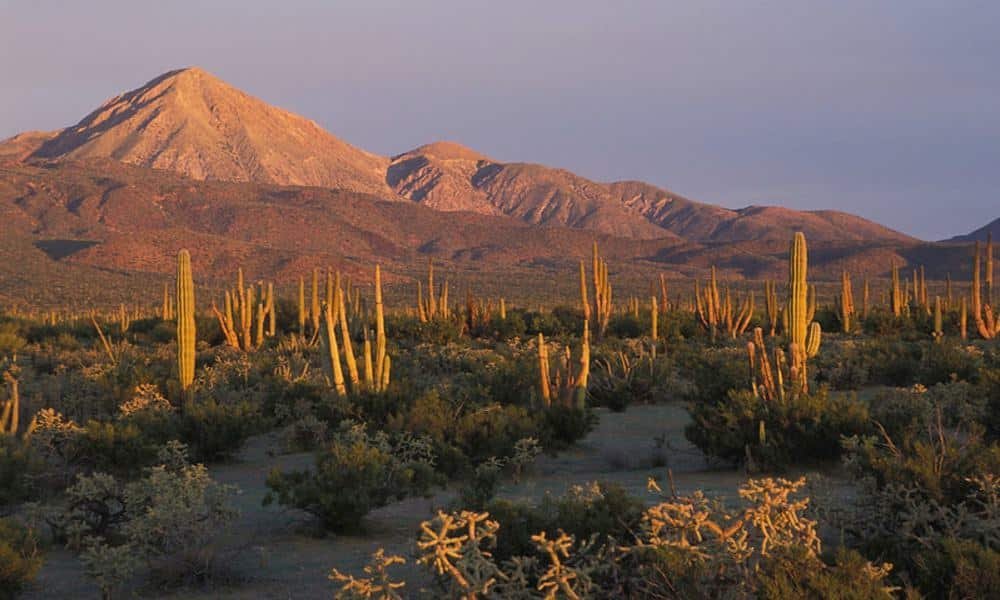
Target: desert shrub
(602,509)
(957,568)
(355,473)
(20,558)
(947,361)
(505,329)
(10,339)
(803,427)
(892,361)
(435,331)
(629,377)
(712,373)
(214,430)
(17,465)
(563,426)
(628,326)
(792,573)
(171,520)
(464,435)
(842,366)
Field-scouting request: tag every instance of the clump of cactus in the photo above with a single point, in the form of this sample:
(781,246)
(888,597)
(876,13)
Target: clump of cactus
(715,311)
(602,307)
(375,376)
(845,303)
(186,333)
(245,310)
(565,384)
(986,319)
(435,305)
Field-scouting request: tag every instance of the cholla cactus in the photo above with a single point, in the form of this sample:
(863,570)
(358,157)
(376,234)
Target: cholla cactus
(559,580)
(452,545)
(378,585)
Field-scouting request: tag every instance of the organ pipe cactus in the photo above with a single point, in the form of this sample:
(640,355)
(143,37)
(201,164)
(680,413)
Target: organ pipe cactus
(845,303)
(938,334)
(566,384)
(333,351)
(602,292)
(186,333)
(771,305)
(804,337)
(10,409)
(896,296)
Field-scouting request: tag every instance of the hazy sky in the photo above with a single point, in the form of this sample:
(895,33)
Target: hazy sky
(888,109)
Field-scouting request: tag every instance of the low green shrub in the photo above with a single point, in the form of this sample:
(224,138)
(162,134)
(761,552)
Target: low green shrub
(20,557)
(776,435)
(355,473)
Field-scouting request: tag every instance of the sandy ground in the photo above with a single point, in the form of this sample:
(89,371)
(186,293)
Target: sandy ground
(284,559)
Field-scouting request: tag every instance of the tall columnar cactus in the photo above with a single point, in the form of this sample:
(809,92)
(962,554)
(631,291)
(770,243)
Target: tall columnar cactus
(845,308)
(938,334)
(664,298)
(804,337)
(798,291)
(302,307)
(569,385)
(345,334)
(166,313)
(896,294)
(382,361)
(584,301)
(865,300)
(333,351)
(602,292)
(314,304)
(10,409)
(990,299)
(186,333)
(771,304)
(963,319)
(654,314)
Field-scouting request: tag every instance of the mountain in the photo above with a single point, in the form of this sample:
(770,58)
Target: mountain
(980,234)
(190,122)
(449,176)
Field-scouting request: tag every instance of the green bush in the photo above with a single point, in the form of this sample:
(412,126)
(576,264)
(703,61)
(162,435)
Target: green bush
(804,427)
(354,474)
(16,464)
(791,574)
(20,558)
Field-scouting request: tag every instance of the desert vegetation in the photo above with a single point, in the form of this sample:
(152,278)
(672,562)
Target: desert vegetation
(852,428)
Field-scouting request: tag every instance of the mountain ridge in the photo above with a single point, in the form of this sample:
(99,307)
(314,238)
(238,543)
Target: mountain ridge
(190,122)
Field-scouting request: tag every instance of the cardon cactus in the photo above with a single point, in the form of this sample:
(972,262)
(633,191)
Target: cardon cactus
(798,291)
(186,333)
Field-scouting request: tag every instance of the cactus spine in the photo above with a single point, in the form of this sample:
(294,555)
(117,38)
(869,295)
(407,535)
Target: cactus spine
(186,333)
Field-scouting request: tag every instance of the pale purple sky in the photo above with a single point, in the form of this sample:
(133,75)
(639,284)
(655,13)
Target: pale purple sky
(888,109)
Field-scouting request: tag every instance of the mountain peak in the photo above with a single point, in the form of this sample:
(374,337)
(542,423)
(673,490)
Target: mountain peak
(196,124)
(446,150)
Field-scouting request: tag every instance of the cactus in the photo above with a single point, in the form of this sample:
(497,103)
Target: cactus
(10,409)
(963,320)
(503,309)
(654,312)
(302,307)
(314,304)
(569,387)
(167,312)
(602,292)
(380,342)
(333,351)
(345,334)
(989,270)
(584,301)
(896,294)
(186,333)
(938,334)
(845,308)
(865,300)
(664,298)
(771,305)
(804,337)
